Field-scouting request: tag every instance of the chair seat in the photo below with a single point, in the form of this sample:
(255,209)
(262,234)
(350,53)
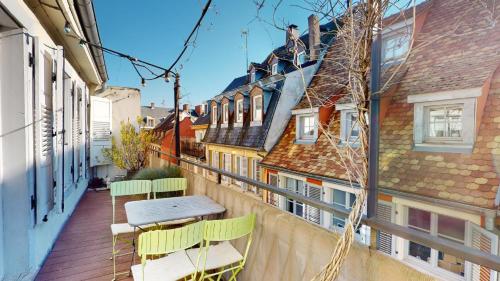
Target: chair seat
(218,256)
(121,228)
(170,268)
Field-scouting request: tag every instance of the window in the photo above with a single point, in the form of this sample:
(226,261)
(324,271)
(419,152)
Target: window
(225,113)
(274,68)
(257,108)
(349,125)
(294,206)
(215,159)
(239,111)
(443,226)
(273,198)
(214,115)
(444,123)
(226,167)
(307,129)
(344,200)
(298,208)
(255,173)
(241,169)
(395,47)
(252,76)
(150,122)
(199,134)
(301,58)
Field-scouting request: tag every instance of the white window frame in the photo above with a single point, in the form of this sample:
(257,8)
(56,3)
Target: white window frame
(299,55)
(239,115)
(300,136)
(257,118)
(466,97)
(432,266)
(274,68)
(225,114)
(214,116)
(396,30)
(227,158)
(148,120)
(346,127)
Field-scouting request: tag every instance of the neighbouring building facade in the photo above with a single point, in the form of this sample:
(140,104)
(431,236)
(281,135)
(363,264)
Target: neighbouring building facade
(439,138)
(125,104)
(153,115)
(249,116)
(46,83)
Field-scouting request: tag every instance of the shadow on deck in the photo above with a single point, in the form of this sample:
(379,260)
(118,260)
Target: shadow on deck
(83,249)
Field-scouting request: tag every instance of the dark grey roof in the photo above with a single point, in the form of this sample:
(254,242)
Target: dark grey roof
(202,120)
(248,136)
(155,112)
(236,83)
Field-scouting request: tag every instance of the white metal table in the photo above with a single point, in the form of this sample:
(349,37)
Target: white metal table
(147,212)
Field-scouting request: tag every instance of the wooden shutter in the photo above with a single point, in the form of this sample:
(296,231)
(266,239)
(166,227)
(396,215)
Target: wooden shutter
(44,130)
(59,128)
(77,132)
(100,130)
(384,240)
(314,192)
(481,239)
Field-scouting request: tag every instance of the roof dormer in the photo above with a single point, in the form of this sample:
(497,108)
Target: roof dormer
(226,111)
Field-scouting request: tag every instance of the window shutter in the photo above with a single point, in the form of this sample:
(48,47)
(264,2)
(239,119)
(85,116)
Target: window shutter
(313,214)
(481,239)
(100,130)
(59,128)
(244,170)
(76,134)
(44,131)
(384,240)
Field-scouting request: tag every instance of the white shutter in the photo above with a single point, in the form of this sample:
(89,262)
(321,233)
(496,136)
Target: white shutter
(83,133)
(77,127)
(481,239)
(100,130)
(314,192)
(384,240)
(44,130)
(59,129)
(227,167)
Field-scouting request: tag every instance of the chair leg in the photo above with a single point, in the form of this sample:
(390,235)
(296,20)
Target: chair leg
(235,272)
(113,257)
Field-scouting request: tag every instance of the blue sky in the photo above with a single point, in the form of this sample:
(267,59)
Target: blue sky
(155,31)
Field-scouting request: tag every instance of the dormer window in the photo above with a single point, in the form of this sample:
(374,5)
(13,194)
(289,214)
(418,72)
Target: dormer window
(301,58)
(239,111)
(252,76)
(349,126)
(274,68)
(306,125)
(214,115)
(257,108)
(225,113)
(396,41)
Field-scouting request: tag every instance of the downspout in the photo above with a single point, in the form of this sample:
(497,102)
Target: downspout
(85,11)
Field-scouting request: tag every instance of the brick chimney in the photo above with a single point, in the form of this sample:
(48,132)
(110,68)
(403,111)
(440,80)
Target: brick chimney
(185,107)
(199,109)
(292,33)
(152,105)
(314,37)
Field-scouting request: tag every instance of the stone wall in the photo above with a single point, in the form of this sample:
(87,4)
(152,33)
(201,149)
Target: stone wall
(286,247)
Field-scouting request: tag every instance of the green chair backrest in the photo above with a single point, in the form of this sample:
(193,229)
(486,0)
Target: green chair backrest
(169,185)
(127,188)
(229,229)
(160,242)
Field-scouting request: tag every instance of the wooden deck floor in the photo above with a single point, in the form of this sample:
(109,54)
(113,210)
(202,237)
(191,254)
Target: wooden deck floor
(83,249)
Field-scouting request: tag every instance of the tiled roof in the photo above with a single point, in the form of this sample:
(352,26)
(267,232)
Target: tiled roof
(155,112)
(202,120)
(465,58)
(247,136)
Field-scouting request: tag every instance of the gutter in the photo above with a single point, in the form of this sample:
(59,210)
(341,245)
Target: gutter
(85,11)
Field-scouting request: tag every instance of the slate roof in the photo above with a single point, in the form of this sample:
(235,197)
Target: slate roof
(156,112)
(253,137)
(202,120)
(465,58)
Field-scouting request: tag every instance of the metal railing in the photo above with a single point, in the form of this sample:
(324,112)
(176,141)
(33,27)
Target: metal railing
(453,248)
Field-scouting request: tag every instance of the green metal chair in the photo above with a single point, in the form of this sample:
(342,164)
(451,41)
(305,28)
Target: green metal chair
(169,185)
(172,243)
(215,260)
(125,188)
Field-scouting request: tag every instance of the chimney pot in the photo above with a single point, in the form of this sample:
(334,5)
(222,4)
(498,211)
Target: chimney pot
(199,109)
(185,107)
(152,105)
(292,33)
(314,37)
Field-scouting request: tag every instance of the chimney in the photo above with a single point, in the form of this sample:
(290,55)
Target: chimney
(314,37)
(152,105)
(292,33)
(185,107)
(199,109)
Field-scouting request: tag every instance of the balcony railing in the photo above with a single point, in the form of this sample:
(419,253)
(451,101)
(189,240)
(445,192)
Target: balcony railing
(192,148)
(458,250)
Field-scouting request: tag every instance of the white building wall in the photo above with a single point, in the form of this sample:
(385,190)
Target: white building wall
(24,242)
(126,104)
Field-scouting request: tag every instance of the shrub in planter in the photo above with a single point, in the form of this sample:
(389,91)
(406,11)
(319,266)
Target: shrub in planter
(158,173)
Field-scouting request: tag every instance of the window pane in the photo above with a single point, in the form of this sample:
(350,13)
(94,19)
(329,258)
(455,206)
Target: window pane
(419,251)
(437,122)
(338,222)
(449,227)
(339,197)
(352,199)
(445,121)
(419,219)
